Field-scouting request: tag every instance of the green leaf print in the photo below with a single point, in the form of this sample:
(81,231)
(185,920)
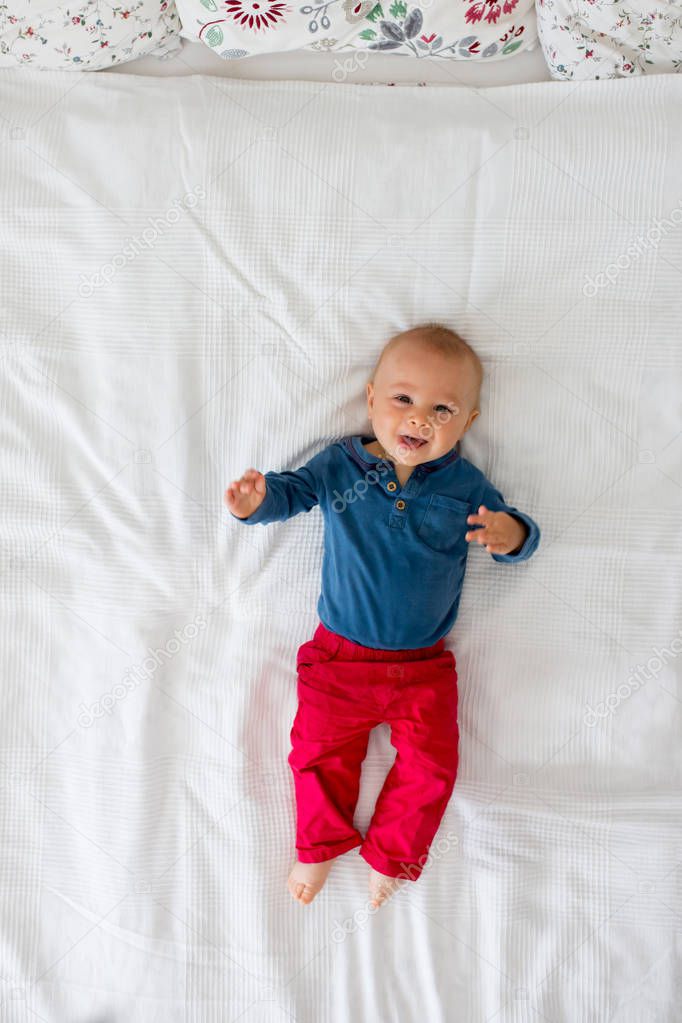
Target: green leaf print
(398,9)
(368,33)
(375,13)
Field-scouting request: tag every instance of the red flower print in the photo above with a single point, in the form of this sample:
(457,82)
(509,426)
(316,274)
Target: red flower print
(589,53)
(428,39)
(125,14)
(508,6)
(256,14)
(478,11)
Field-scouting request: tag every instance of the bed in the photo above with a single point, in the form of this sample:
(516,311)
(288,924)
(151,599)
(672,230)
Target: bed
(198,272)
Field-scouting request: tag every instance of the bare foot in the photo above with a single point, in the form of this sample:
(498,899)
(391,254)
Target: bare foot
(382,887)
(307,879)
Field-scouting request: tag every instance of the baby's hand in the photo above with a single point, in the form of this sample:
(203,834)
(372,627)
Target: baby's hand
(244,495)
(501,533)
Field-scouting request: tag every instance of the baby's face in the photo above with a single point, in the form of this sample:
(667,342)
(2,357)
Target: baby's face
(422,394)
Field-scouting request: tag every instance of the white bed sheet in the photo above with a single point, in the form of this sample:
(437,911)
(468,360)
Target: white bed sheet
(145,853)
(197,58)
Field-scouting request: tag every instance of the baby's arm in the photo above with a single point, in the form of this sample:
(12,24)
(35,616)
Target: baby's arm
(275,496)
(502,525)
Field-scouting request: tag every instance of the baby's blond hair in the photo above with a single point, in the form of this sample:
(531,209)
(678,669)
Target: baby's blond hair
(442,339)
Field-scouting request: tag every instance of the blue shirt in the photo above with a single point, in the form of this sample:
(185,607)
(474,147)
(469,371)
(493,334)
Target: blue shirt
(394,556)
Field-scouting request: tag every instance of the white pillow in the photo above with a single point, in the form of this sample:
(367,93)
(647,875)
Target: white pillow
(446,29)
(86,35)
(606,39)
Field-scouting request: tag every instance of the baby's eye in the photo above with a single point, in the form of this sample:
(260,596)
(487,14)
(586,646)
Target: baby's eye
(399,397)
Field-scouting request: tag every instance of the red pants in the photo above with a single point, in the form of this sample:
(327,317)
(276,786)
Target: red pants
(344,690)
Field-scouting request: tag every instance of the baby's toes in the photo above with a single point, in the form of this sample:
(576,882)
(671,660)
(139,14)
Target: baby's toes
(296,889)
(309,892)
(301,891)
(382,887)
(378,896)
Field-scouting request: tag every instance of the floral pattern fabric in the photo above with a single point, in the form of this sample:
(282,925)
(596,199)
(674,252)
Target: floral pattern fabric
(446,29)
(86,35)
(584,39)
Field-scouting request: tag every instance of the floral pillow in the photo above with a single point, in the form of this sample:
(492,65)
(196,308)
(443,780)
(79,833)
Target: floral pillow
(610,38)
(86,35)
(450,29)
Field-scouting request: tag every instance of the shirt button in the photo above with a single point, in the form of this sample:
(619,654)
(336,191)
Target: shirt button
(400,505)
(391,486)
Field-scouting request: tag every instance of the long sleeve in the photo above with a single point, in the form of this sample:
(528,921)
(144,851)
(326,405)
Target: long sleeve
(288,493)
(494,500)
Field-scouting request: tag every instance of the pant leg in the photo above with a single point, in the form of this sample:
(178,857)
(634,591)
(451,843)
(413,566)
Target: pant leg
(417,789)
(329,739)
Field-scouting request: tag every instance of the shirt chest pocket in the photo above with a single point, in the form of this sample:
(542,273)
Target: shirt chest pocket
(445,523)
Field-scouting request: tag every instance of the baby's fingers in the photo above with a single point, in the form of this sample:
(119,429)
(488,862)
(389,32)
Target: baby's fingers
(251,481)
(479,535)
(251,478)
(482,517)
(259,482)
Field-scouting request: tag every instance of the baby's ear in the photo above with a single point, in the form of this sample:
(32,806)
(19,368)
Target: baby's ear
(473,415)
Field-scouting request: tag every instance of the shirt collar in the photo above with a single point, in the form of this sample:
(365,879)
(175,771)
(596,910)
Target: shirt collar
(365,459)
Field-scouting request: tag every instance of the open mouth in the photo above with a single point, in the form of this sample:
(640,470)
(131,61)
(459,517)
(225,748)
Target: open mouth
(411,442)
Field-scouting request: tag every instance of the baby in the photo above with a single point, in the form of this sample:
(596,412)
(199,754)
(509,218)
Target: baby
(396,507)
